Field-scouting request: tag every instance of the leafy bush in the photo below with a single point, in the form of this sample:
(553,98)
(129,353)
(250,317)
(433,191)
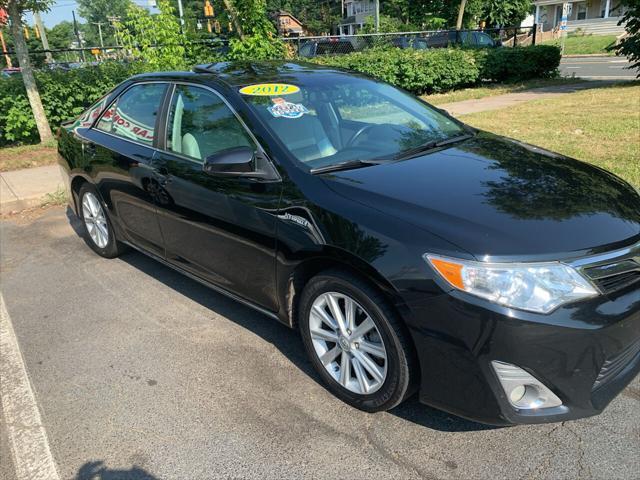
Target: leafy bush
(64,95)
(438,70)
(419,71)
(517,64)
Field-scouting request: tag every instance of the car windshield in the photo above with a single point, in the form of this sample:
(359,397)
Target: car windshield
(330,118)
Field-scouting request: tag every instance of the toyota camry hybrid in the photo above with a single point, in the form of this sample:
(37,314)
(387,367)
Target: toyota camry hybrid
(497,280)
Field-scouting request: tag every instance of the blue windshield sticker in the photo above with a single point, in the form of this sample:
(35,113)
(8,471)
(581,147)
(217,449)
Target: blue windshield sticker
(284,109)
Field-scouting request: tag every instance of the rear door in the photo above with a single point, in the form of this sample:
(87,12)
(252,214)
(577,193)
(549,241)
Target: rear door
(220,228)
(119,150)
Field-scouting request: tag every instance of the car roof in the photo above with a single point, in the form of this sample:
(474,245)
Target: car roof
(242,73)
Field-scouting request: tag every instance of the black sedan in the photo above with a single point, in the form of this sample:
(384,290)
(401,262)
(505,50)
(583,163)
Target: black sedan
(498,280)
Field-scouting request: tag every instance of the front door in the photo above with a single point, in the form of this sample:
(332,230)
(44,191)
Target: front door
(222,229)
(121,149)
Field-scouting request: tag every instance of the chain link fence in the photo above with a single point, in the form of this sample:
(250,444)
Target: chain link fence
(306,47)
(74,57)
(423,40)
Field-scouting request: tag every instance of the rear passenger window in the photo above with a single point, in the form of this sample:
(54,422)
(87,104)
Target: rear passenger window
(200,124)
(133,114)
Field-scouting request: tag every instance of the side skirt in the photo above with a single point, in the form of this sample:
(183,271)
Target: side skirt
(207,284)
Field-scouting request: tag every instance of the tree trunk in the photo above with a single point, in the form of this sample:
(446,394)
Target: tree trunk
(22,52)
(463,3)
(228,4)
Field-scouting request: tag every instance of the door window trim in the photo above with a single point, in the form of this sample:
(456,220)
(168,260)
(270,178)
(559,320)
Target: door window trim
(154,144)
(162,147)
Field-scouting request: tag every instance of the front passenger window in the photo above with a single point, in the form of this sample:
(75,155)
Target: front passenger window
(200,124)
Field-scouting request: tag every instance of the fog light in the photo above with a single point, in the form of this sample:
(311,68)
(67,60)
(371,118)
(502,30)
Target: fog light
(524,391)
(517,393)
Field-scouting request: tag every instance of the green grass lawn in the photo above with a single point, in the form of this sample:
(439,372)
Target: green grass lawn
(492,90)
(586,44)
(599,126)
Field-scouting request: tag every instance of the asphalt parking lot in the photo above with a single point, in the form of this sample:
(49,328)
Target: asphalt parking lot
(139,372)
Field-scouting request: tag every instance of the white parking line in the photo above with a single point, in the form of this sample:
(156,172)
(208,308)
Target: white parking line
(32,457)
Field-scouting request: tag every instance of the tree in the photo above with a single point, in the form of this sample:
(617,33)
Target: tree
(629,46)
(155,38)
(506,12)
(257,34)
(463,4)
(15,9)
(97,11)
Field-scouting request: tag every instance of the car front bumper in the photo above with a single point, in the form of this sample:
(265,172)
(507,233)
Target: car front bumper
(585,353)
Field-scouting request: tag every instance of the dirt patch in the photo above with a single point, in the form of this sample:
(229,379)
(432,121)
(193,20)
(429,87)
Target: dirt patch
(30,214)
(16,158)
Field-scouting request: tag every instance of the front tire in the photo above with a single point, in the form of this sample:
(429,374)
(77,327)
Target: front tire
(98,231)
(355,341)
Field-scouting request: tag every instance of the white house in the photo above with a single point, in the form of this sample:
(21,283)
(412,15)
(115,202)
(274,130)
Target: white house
(592,16)
(355,14)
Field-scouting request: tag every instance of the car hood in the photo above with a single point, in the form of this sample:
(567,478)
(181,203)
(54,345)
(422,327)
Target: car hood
(496,197)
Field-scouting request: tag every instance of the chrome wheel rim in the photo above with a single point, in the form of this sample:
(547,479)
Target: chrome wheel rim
(95,220)
(348,343)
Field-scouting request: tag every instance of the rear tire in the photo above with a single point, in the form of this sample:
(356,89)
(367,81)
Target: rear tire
(365,357)
(98,231)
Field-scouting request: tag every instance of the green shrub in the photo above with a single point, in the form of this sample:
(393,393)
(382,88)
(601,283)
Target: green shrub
(64,95)
(438,70)
(419,71)
(517,64)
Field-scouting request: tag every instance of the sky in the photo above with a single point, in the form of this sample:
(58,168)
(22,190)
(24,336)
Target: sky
(61,10)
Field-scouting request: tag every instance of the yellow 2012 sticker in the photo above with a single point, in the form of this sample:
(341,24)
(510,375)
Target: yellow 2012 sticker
(269,89)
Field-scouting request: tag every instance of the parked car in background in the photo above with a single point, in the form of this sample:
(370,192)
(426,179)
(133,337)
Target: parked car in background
(410,41)
(465,38)
(498,280)
(10,71)
(327,46)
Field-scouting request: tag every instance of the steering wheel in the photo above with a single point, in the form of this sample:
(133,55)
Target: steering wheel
(359,133)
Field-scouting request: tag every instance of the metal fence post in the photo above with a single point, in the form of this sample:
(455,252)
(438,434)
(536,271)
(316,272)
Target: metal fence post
(535,31)
(515,37)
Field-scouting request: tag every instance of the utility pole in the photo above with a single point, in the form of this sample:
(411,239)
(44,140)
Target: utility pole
(75,30)
(114,23)
(377,15)
(181,13)
(99,24)
(43,36)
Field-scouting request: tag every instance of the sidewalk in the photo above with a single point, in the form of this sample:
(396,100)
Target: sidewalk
(21,189)
(512,99)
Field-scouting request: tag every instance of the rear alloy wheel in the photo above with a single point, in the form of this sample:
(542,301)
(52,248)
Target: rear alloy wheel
(356,341)
(99,234)
(95,220)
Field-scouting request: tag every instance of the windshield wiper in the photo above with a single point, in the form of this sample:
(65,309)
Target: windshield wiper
(425,147)
(351,164)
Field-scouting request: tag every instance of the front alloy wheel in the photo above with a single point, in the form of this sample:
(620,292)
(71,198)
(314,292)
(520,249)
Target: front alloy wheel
(348,343)
(356,341)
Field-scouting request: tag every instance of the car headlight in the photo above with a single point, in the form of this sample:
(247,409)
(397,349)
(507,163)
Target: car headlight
(536,287)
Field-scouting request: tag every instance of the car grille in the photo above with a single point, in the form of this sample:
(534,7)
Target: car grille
(617,282)
(614,365)
(615,275)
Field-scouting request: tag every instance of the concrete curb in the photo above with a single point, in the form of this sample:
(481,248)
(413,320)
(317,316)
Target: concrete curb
(587,55)
(21,189)
(15,206)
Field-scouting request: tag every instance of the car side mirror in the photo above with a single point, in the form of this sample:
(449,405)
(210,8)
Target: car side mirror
(231,161)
